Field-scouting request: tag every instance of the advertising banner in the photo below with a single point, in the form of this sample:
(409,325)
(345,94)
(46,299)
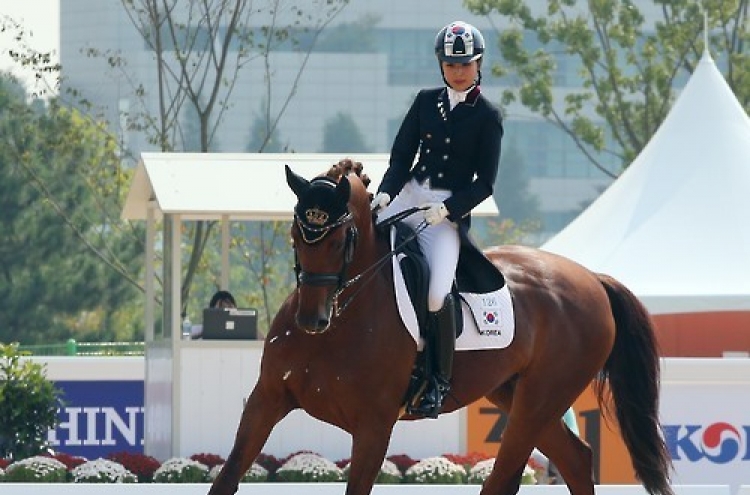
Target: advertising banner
(99,417)
(705,415)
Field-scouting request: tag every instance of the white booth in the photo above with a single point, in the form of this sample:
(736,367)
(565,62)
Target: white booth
(194,390)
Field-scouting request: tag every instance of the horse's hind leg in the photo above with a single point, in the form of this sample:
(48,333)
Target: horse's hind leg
(261,413)
(571,455)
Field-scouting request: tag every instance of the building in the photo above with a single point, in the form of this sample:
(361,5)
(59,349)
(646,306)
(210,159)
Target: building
(367,65)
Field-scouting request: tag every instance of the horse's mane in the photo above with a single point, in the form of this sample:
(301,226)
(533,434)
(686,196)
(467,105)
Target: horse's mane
(347,166)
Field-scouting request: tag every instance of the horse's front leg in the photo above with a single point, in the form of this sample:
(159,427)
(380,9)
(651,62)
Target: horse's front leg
(369,446)
(264,409)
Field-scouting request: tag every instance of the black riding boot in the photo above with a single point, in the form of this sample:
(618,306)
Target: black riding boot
(441,338)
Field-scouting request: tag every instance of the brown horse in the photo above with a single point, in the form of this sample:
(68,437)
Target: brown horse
(572,327)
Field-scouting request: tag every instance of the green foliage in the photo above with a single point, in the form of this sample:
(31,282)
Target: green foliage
(61,188)
(628,70)
(28,405)
(512,195)
(181,470)
(36,469)
(341,135)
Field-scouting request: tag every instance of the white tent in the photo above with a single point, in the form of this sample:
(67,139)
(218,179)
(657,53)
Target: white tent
(675,227)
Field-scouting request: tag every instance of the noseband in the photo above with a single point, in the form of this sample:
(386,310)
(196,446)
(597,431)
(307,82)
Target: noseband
(312,235)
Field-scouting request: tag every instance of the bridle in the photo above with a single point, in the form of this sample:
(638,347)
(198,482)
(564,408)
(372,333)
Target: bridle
(312,235)
(339,278)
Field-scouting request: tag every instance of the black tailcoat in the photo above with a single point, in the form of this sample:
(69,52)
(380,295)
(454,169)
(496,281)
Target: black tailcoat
(459,150)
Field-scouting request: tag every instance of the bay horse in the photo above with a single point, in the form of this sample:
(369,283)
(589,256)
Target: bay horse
(573,327)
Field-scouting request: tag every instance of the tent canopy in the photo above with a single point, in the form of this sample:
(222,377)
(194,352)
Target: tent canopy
(675,227)
(241,186)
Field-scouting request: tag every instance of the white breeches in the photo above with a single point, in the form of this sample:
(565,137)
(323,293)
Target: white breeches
(440,243)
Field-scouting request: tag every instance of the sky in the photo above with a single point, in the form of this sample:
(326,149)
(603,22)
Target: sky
(41,21)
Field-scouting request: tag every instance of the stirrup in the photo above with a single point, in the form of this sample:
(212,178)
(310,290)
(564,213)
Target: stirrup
(431,402)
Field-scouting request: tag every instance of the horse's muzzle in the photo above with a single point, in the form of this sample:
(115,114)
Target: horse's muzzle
(314,325)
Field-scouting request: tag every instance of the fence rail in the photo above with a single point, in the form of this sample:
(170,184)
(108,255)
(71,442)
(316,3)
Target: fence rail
(73,348)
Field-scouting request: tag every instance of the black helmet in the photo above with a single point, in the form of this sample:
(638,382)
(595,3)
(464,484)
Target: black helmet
(459,42)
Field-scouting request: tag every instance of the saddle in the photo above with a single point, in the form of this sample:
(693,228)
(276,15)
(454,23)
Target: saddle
(474,273)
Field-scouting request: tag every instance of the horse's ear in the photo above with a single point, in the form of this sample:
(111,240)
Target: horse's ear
(297,183)
(344,189)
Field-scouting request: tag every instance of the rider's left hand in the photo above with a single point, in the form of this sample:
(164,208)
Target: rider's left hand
(435,213)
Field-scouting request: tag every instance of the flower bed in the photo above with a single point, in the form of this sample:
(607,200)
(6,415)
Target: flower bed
(299,467)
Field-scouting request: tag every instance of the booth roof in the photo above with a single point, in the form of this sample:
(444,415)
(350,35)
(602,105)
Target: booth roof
(240,186)
(675,227)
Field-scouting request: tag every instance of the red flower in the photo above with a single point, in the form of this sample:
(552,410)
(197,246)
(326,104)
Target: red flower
(141,465)
(402,461)
(70,461)
(209,460)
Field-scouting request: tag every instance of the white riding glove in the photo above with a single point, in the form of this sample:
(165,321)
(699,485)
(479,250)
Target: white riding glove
(435,213)
(380,201)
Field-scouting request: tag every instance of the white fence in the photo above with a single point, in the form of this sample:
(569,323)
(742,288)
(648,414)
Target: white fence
(330,489)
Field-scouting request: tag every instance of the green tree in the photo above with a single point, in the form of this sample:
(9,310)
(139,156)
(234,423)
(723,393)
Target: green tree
(629,68)
(61,181)
(512,195)
(341,135)
(28,405)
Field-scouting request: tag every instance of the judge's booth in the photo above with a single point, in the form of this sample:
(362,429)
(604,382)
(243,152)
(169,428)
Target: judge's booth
(195,389)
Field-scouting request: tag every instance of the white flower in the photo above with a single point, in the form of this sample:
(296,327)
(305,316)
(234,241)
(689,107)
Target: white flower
(389,472)
(180,470)
(312,467)
(255,473)
(435,470)
(482,470)
(39,464)
(103,471)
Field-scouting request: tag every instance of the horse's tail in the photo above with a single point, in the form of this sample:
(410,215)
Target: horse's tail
(632,371)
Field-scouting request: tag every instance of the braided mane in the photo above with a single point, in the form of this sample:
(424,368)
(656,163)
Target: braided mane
(347,166)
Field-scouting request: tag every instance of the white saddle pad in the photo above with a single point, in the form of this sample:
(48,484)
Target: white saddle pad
(488,318)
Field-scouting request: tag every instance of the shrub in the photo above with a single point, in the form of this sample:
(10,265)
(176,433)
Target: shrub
(436,470)
(389,473)
(37,469)
(469,460)
(482,470)
(256,473)
(102,471)
(28,404)
(70,461)
(271,463)
(402,461)
(181,470)
(142,465)
(308,467)
(208,460)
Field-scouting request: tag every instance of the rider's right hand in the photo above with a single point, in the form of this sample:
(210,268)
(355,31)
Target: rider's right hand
(380,201)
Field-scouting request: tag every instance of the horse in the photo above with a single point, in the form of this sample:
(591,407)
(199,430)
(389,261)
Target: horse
(574,328)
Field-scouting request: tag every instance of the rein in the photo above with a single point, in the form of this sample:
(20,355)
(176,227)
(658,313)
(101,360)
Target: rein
(320,279)
(372,269)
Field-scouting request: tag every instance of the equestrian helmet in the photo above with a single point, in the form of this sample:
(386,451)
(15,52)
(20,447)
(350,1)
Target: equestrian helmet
(459,42)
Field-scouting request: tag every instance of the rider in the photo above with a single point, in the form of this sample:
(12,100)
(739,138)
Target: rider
(456,133)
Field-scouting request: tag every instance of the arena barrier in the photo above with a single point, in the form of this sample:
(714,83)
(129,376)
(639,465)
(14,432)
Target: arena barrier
(330,489)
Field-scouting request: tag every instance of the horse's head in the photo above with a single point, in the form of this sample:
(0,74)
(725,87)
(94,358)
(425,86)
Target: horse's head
(324,237)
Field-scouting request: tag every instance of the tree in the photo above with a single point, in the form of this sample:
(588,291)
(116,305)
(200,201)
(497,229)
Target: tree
(199,52)
(28,405)
(341,135)
(630,70)
(513,198)
(61,181)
